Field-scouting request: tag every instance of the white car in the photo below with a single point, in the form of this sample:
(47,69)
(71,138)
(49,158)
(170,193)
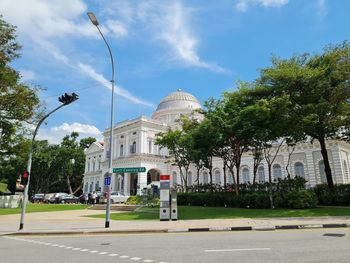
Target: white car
(116,197)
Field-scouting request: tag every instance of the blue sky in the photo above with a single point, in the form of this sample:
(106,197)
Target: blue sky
(202,47)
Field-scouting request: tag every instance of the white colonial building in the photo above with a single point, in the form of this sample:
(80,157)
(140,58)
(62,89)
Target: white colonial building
(133,146)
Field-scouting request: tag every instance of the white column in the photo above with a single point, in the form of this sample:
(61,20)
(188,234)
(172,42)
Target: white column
(310,172)
(127,147)
(126,183)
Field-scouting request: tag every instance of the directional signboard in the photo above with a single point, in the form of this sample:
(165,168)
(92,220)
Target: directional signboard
(108,180)
(129,170)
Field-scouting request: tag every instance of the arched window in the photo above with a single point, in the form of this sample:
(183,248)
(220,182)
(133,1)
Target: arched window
(346,172)
(277,171)
(205,177)
(91,186)
(299,169)
(133,147)
(261,174)
(121,150)
(189,178)
(86,188)
(174,177)
(217,176)
(245,175)
(322,171)
(97,186)
(150,146)
(229,178)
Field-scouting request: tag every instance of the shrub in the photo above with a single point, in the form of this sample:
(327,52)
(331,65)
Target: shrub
(338,195)
(300,199)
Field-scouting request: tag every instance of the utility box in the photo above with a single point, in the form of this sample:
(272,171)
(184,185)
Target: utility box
(164,208)
(173,204)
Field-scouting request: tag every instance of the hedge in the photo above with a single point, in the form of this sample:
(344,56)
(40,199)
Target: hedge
(296,199)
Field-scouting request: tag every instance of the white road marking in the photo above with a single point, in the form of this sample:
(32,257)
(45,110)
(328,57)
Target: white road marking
(238,249)
(85,249)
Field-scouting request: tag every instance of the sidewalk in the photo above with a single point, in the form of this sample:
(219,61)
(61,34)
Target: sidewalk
(75,222)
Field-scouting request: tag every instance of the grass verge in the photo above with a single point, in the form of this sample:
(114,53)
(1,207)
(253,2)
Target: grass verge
(195,212)
(32,208)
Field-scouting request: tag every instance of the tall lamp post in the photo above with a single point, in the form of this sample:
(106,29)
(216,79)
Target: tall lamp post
(108,207)
(65,100)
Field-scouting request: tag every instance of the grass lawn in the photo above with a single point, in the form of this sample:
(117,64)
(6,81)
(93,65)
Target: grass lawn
(196,212)
(31,208)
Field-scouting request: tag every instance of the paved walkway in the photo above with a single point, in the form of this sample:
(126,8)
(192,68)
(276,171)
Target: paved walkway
(76,222)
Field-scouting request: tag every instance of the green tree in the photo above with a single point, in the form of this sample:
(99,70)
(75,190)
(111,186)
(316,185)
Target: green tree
(319,88)
(18,102)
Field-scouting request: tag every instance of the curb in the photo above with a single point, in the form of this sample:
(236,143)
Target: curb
(200,229)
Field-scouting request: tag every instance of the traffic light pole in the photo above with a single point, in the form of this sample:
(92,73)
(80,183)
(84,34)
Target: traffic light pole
(29,166)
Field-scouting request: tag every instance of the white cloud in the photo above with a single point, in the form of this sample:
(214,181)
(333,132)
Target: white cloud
(55,134)
(117,28)
(243,5)
(88,70)
(27,74)
(167,23)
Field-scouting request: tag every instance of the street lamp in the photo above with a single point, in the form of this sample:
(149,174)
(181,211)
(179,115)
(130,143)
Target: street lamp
(108,206)
(65,100)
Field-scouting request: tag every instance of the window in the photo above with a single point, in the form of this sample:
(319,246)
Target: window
(277,172)
(149,146)
(121,150)
(133,147)
(93,166)
(174,178)
(346,172)
(217,176)
(299,169)
(245,175)
(229,178)
(261,174)
(189,178)
(205,177)
(322,171)
(99,164)
(86,188)
(88,166)
(97,186)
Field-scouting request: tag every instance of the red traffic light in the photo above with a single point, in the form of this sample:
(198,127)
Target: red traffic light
(25,174)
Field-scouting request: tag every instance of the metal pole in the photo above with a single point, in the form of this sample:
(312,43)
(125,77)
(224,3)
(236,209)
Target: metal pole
(29,167)
(108,206)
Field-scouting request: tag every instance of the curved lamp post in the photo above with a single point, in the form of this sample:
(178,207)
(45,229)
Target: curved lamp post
(108,206)
(65,100)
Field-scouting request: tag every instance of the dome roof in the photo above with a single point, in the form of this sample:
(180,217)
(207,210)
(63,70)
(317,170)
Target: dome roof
(175,104)
(179,99)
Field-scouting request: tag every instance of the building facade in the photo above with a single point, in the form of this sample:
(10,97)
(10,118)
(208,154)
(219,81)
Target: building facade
(134,146)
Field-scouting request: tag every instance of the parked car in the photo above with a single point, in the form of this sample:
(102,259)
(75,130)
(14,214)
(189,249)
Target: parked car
(54,197)
(37,198)
(66,198)
(116,197)
(47,197)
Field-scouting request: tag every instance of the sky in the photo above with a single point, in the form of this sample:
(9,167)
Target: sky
(200,46)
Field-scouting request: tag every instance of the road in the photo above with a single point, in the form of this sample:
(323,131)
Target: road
(318,245)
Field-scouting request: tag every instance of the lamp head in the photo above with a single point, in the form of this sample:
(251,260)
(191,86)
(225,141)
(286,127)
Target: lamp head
(93,18)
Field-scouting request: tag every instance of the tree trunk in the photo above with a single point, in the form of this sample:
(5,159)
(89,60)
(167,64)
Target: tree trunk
(234,180)
(68,185)
(211,180)
(270,186)
(327,167)
(225,184)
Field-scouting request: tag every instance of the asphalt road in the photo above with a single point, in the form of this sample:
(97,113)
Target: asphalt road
(321,245)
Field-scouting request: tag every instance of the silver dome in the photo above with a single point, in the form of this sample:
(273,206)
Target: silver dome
(175,104)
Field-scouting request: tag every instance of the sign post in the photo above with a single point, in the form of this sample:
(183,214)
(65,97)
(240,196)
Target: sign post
(129,170)
(164,208)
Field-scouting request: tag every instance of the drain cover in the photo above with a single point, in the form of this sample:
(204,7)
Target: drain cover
(105,244)
(333,235)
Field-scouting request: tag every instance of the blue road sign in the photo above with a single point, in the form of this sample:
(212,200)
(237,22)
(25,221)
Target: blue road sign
(108,180)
